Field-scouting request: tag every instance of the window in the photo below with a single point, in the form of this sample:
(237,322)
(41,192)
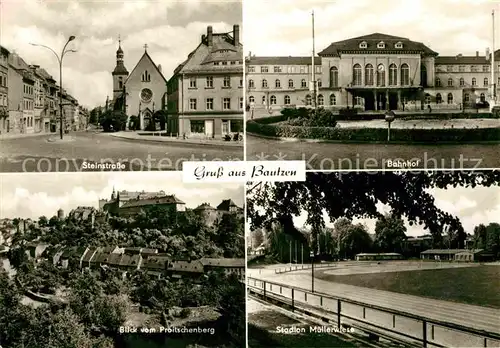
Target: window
(427,98)
(462,82)
(251,99)
(356,75)
(381,44)
(393,75)
(369,75)
(320,84)
(498,82)
(146,95)
(192,104)
(241,103)
(450,98)
(302,69)
(273,100)
(120,82)
(277,69)
(438,82)
(264,69)
(210,103)
(439,99)
(226,82)
(264,83)
(277,84)
(449,68)
(241,83)
(251,84)
(450,82)
(303,83)
(318,69)
(287,100)
(251,69)
(482,98)
(473,68)
(197,126)
(192,82)
(226,105)
(333,99)
(290,83)
(334,77)
(146,77)
(380,75)
(405,75)
(224,63)
(399,45)
(461,68)
(485,82)
(264,100)
(321,100)
(363,45)
(474,82)
(486,68)
(209,82)
(358,101)
(308,100)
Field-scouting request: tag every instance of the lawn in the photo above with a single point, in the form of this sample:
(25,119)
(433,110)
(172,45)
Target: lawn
(472,285)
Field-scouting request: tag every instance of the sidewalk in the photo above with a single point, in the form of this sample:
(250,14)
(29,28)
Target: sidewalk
(166,139)
(5,136)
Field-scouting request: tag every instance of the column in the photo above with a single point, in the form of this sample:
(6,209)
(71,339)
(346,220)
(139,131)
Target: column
(399,98)
(375,101)
(387,99)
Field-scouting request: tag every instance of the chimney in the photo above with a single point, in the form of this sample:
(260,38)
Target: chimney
(203,37)
(487,53)
(159,67)
(477,53)
(210,39)
(236,34)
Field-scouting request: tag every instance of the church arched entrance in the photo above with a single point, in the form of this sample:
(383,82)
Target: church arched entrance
(160,120)
(147,119)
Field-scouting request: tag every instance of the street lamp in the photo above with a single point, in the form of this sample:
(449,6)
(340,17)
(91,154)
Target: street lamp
(312,270)
(389,117)
(60,60)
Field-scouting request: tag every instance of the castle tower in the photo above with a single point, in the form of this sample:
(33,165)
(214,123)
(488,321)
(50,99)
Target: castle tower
(120,73)
(60,214)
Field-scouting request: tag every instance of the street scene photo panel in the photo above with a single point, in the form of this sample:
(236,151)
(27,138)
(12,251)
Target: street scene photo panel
(121,260)
(373,85)
(374,259)
(119,85)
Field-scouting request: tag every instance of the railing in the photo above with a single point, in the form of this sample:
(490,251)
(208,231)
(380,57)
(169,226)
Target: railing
(302,267)
(374,320)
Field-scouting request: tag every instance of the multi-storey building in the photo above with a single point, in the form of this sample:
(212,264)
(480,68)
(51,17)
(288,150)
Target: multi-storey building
(21,95)
(372,72)
(205,93)
(4,90)
(39,99)
(51,102)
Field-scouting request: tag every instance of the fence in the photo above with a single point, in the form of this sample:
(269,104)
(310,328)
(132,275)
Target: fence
(302,267)
(375,320)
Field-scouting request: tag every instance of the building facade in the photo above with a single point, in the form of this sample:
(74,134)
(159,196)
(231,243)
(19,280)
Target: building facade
(4,90)
(375,72)
(141,93)
(205,93)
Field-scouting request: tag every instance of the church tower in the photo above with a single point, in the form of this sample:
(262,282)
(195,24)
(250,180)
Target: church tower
(120,73)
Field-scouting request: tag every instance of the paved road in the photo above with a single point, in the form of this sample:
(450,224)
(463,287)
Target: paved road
(331,156)
(482,318)
(40,154)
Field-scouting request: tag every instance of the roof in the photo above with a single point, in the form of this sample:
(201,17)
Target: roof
(204,206)
(89,254)
(378,254)
(99,257)
(4,51)
(186,266)
(443,251)
(152,201)
(74,252)
(148,57)
(223,262)
(130,260)
(202,58)
(127,195)
(226,205)
(462,60)
(353,45)
(471,251)
(156,263)
(253,60)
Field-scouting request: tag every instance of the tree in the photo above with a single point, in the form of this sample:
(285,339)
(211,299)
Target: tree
(133,123)
(257,238)
(390,234)
(94,115)
(357,195)
(350,239)
(43,221)
(113,120)
(230,235)
(493,238)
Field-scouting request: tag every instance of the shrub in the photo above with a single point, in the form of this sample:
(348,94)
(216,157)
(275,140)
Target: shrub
(185,312)
(309,117)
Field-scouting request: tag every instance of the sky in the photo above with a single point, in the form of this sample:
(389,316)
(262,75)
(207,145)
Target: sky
(473,206)
(170,28)
(448,27)
(32,195)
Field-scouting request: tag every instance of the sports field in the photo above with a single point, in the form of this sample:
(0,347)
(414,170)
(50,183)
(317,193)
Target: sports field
(472,285)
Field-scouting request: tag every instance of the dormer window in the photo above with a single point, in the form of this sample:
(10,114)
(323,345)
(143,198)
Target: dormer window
(381,44)
(363,45)
(399,45)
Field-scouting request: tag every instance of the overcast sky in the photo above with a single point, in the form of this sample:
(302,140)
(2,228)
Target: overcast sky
(32,195)
(449,27)
(472,206)
(172,29)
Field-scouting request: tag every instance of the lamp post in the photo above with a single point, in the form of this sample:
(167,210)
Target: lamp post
(60,60)
(312,270)
(389,117)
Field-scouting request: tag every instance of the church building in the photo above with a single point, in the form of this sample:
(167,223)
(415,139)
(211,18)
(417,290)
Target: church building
(142,93)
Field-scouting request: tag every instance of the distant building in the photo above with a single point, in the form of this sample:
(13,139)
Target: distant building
(4,90)
(378,257)
(21,96)
(60,214)
(228,206)
(229,266)
(456,255)
(205,93)
(185,269)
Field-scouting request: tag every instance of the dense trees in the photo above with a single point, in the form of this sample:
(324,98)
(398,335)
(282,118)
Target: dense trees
(113,120)
(390,234)
(488,238)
